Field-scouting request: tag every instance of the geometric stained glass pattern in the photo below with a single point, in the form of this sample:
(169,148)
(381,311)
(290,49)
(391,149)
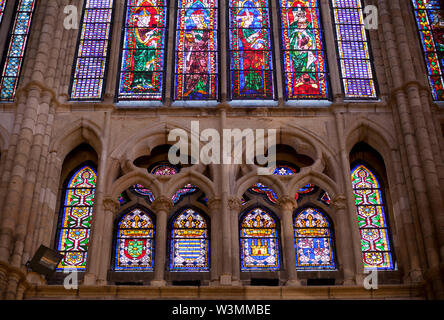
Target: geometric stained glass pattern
(134,248)
(259,241)
(313,240)
(196,54)
(305,67)
(250,49)
(142,65)
(75,219)
(2,9)
(90,62)
(189,244)
(430,21)
(17,41)
(372,220)
(353,47)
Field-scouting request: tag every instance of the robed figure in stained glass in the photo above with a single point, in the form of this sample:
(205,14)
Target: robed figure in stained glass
(196,45)
(302,40)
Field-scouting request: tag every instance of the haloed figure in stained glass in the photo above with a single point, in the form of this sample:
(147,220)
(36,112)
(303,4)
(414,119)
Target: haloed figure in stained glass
(302,41)
(146,35)
(196,45)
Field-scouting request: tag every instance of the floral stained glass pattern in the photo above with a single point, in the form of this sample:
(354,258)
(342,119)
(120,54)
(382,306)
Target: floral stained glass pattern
(304,61)
(197,63)
(143,54)
(373,226)
(250,45)
(90,62)
(355,65)
(75,220)
(164,169)
(313,240)
(18,39)
(259,241)
(189,242)
(285,169)
(430,21)
(134,242)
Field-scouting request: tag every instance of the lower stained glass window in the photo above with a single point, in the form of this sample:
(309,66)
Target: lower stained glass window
(313,240)
(75,219)
(189,244)
(259,241)
(134,246)
(372,220)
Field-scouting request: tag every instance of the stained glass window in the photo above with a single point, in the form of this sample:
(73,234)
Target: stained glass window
(143,192)
(183,192)
(18,39)
(264,191)
(250,49)
(353,47)
(304,58)
(313,240)
(164,169)
(285,169)
(259,241)
(134,246)
(143,54)
(90,62)
(372,220)
(75,218)
(430,21)
(197,62)
(2,9)
(189,242)
(325,198)
(305,191)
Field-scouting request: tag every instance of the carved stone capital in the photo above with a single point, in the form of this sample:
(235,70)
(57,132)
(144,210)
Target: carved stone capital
(234,204)
(163,204)
(214,203)
(287,203)
(111,205)
(340,202)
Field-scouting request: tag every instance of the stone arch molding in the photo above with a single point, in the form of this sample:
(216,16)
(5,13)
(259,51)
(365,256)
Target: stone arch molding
(4,139)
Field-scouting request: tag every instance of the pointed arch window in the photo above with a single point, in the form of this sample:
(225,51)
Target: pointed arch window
(196,74)
(134,241)
(429,18)
(250,49)
(75,218)
(304,59)
(313,240)
(372,219)
(143,53)
(15,52)
(92,53)
(189,241)
(259,241)
(353,48)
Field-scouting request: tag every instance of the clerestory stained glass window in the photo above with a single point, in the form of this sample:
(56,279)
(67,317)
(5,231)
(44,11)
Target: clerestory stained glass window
(313,240)
(353,47)
(90,62)
(17,43)
(143,52)
(250,49)
(189,243)
(259,241)
(75,218)
(304,58)
(430,21)
(372,219)
(2,9)
(134,244)
(197,63)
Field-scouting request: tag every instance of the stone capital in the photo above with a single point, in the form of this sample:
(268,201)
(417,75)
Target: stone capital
(287,203)
(340,202)
(111,205)
(214,203)
(234,204)
(163,204)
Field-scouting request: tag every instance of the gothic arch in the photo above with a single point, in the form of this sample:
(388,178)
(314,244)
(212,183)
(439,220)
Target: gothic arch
(132,178)
(244,183)
(195,178)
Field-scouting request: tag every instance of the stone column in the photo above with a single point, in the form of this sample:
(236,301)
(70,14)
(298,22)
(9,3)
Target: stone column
(235,206)
(110,206)
(217,242)
(162,207)
(287,206)
(345,251)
